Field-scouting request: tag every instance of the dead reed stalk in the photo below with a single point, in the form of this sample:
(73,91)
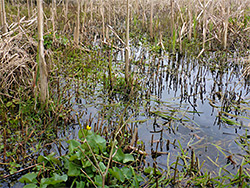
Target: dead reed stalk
(66,10)
(190,16)
(77,28)
(204,23)
(127,47)
(42,64)
(3,17)
(53,17)
(227,14)
(151,19)
(28,8)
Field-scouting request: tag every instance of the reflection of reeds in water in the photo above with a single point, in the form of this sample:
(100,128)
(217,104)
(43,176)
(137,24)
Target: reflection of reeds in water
(193,82)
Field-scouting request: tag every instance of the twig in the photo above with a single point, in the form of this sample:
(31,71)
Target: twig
(6,176)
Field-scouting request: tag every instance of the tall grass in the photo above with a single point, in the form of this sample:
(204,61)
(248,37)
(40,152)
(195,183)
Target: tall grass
(211,23)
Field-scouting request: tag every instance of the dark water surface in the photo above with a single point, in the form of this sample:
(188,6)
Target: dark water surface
(207,88)
(186,98)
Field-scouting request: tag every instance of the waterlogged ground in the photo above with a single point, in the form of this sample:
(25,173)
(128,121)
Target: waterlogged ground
(183,103)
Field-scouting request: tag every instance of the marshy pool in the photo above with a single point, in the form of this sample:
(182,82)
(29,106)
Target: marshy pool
(184,103)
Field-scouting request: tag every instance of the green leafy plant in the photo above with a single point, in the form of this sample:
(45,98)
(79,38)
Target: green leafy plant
(85,165)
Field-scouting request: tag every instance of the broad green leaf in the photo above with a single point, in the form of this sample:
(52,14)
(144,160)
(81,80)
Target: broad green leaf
(53,159)
(84,133)
(58,179)
(73,144)
(117,173)
(32,185)
(54,180)
(42,159)
(29,178)
(102,166)
(77,155)
(128,158)
(74,169)
(96,140)
(119,156)
(80,184)
(98,180)
(101,142)
(86,164)
(127,172)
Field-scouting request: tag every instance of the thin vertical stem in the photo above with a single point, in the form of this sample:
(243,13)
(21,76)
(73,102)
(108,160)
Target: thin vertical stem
(103,20)
(226,26)
(28,8)
(77,28)
(190,20)
(204,24)
(53,14)
(151,19)
(172,17)
(4,22)
(66,11)
(42,64)
(127,47)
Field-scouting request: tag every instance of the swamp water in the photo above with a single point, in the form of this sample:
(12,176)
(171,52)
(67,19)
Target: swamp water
(186,103)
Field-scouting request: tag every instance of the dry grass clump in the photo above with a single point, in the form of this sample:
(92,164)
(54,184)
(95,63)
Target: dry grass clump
(17,59)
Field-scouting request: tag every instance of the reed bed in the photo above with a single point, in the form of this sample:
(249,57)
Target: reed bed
(213,24)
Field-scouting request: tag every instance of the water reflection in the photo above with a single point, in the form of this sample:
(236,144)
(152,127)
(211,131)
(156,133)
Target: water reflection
(186,101)
(212,89)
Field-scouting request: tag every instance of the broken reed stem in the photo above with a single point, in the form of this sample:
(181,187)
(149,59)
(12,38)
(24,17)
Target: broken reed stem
(192,160)
(66,11)
(103,21)
(127,47)
(28,8)
(53,17)
(151,19)
(172,18)
(84,11)
(91,10)
(190,20)
(31,6)
(136,7)
(204,25)
(175,170)
(77,28)
(110,69)
(143,13)
(44,94)
(226,26)
(3,17)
